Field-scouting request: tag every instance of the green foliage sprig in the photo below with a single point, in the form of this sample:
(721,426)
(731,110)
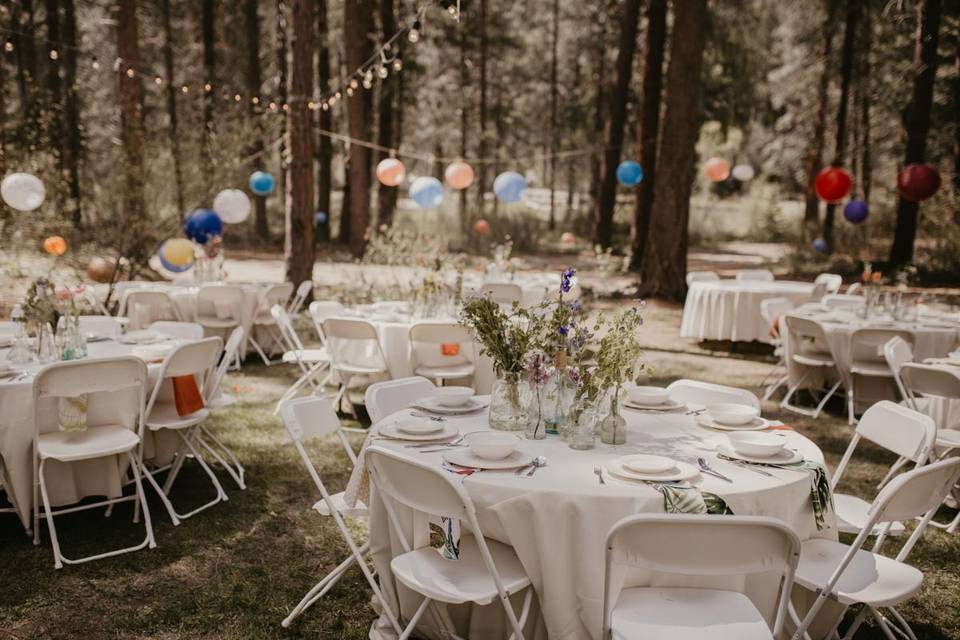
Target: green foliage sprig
(506,338)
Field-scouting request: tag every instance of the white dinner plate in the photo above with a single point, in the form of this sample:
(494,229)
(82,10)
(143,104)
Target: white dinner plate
(647,464)
(143,336)
(669,405)
(393,432)
(420,428)
(757,424)
(466,458)
(433,406)
(787,456)
(682,471)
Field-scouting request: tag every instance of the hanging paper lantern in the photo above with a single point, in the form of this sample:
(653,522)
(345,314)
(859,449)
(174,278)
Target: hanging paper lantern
(203,224)
(832,184)
(509,186)
(856,211)
(918,181)
(22,191)
(391,172)
(717,169)
(100,270)
(427,192)
(178,252)
(820,245)
(743,172)
(567,238)
(232,205)
(261,183)
(55,246)
(319,218)
(629,173)
(459,175)
(481,227)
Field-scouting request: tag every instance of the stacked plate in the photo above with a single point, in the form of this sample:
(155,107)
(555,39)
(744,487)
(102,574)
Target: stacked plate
(418,431)
(470,460)
(436,405)
(732,417)
(647,468)
(650,399)
(143,336)
(7,371)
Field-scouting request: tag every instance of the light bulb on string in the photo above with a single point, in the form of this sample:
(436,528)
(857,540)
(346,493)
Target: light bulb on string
(325,106)
(338,95)
(184,89)
(382,72)
(255,100)
(397,64)
(8,46)
(131,72)
(353,83)
(286,107)
(349,91)
(237,98)
(367,82)
(414,35)
(273,106)
(54,55)
(95,64)
(158,80)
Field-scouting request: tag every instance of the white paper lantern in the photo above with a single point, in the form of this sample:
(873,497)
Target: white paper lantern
(743,172)
(232,205)
(22,191)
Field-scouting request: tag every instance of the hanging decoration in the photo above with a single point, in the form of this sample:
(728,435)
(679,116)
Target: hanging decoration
(717,169)
(22,191)
(55,245)
(820,245)
(856,211)
(743,172)
(232,205)
(459,175)
(918,181)
(481,227)
(391,172)
(832,184)
(629,173)
(320,218)
(261,183)
(427,192)
(100,270)
(178,251)
(202,225)
(509,186)
(568,239)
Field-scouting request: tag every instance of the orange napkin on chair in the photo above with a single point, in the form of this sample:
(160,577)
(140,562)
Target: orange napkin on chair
(450,348)
(186,395)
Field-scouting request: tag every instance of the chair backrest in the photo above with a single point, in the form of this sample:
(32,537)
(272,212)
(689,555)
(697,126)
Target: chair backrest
(806,335)
(854,289)
(504,293)
(832,281)
(275,294)
(308,418)
(760,275)
(287,331)
(390,396)
(930,380)
(195,359)
(709,393)
(819,290)
(701,276)
(146,306)
(304,290)
(221,301)
(212,387)
(429,344)
(353,342)
(320,310)
(772,308)
(421,486)
(100,326)
(898,353)
(867,345)
(842,301)
(91,298)
(702,545)
(182,330)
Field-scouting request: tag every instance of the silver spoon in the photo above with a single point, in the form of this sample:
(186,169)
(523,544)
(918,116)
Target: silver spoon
(420,414)
(599,473)
(539,461)
(744,465)
(706,468)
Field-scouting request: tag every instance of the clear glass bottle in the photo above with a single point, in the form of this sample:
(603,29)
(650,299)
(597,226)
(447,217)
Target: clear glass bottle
(613,426)
(19,351)
(583,426)
(508,404)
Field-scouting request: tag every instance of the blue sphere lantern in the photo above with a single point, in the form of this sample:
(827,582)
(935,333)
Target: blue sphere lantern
(203,224)
(856,211)
(427,192)
(319,218)
(509,186)
(629,173)
(820,245)
(261,183)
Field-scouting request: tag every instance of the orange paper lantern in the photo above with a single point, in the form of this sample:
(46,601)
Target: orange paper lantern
(459,175)
(100,270)
(481,227)
(55,246)
(717,169)
(391,172)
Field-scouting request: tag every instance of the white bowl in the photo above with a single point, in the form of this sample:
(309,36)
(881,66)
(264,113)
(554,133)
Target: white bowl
(647,395)
(492,446)
(732,414)
(755,443)
(452,396)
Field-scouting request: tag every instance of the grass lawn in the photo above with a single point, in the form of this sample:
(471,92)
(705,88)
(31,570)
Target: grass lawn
(235,570)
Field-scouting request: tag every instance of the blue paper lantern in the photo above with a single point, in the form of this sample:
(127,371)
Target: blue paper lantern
(856,211)
(427,192)
(203,224)
(820,245)
(509,186)
(169,266)
(261,183)
(319,218)
(629,173)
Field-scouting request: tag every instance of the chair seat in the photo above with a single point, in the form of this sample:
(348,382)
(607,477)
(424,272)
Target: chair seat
(869,578)
(813,359)
(867,368)
(93,442)
(949,438)
(453,371)
(306,355)
(218,323)
(852,515)
(457,581)
(686,614)
(359,369)
(164,416)
(358,511)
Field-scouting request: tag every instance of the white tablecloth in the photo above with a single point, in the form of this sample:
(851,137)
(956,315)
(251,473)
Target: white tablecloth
(557,521)
(730,309)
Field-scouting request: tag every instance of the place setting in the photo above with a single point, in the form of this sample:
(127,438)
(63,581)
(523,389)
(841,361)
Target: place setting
(492,451)
(450,401)
(728,416)
(650,399)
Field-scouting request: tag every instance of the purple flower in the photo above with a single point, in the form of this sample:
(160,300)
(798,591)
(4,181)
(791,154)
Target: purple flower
(566,279)
(537,372)
(564,330)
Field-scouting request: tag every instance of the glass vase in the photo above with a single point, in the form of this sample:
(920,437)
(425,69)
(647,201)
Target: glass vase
(536,424)
(509,401)
(613,427)
(583,426)
(560,401)
(46,344)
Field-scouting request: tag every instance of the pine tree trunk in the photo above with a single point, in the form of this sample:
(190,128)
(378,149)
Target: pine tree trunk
(916,120)
(72,152)
(864,89)
(324,144)
(464,124)
(846,73)
(131,131)
(251,24)
(600,72)
(554,99)
(613,128)
(208,37)
(358,27)
(649,129)
(171,96)
(482,112)
(665,261)
(956,122)
(299,247)
(52,125)
(387,107)
(23,20)
(282,71)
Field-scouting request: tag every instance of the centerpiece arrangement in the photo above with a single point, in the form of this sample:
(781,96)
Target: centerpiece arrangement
(52,315)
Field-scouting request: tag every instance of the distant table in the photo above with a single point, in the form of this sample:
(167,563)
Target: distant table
(730,309)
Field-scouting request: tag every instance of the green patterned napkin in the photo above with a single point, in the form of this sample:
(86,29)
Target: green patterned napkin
(686,498)
(72,413)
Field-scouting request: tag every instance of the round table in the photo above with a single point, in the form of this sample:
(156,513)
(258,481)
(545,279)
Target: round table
(730,309)
(557,520)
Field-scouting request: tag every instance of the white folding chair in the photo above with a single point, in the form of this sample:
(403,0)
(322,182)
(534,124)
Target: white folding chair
(701,276)
(303,292)
(145,306)
(264,322)
(772,309)
(179,330)
(220,310)
(755,275)
(708,393)
(696,545)
(213,394)
(307,419)
(320,310)
(832,281)
(485,571)
(503,293)
(194,359)
(896,428)
(867,359)
(390,396)
(121,436)
(442,351)
(849,575)
(89,296)
(100,326)
(311,362)
(854,289)
(809,349)
(355,350)
(843,301)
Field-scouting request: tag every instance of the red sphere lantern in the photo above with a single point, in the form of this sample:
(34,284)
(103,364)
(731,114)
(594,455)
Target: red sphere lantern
(833,184)
(918,181)
(481,227)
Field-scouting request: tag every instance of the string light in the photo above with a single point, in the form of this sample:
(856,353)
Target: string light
(255,100)
(397,64)
(353,83)
(158,81)
(382,72)
(237,98)
(207,87)
(8,46)
(131,72)
(414,35)
(95,64)
(54,55)
(325,106)
(350,92)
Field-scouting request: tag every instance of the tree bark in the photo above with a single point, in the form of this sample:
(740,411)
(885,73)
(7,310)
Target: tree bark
(358,28)
(665,261)
(600,72)
(251,24)
(464,124)
(324,144)
(613,128)
(554,99)
(131,129)
(282,71)
(171,100)
(482,111)
(814,155)
(208,37)
(916,120)
(23,19)
(299,246)
(72,152)
(956,122)
(846,73)
(649,129)
(53,109)
(864,91)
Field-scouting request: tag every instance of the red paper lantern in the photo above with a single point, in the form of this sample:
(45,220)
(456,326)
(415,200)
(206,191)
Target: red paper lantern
(100,269)
(918,181)
(833,184)
(481,227)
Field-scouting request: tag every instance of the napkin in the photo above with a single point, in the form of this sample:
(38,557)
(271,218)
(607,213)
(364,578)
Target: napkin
(72,413)
(686,498)
(186,395)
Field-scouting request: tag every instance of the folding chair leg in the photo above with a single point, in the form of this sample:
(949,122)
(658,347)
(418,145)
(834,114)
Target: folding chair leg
(221,494)
(48,513)
(263,356)
(234,468)
(904,626)
(882,623)
(774,386)
(163,496)
(412,625)
(855,625)
(851,419)
(823,402)
(320,589)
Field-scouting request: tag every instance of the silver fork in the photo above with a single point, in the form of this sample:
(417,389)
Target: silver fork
(706,468)
(744,465)
(599,473)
